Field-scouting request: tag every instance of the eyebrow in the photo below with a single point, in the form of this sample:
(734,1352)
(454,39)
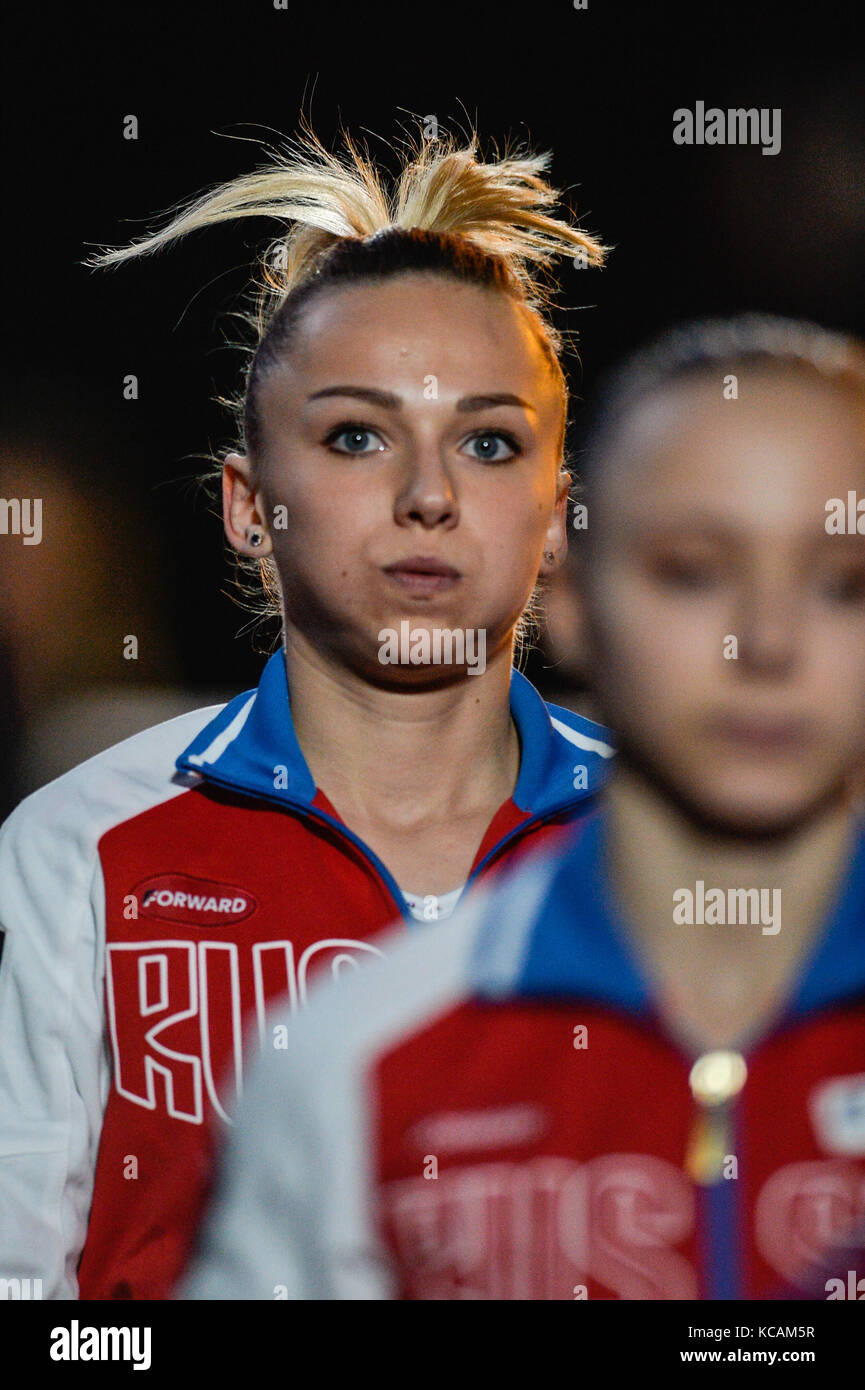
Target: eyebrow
(388,401)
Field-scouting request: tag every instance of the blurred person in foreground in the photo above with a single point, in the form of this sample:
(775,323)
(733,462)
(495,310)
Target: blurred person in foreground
(634,1069)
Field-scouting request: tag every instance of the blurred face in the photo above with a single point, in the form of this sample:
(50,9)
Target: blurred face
(411,439)
(727,627)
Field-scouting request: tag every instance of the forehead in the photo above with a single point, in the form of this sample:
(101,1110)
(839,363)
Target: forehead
(398,332)
(774,456)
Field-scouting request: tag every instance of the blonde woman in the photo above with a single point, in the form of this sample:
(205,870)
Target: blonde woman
(401,486)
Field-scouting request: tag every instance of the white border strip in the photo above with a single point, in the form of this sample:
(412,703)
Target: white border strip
(591,745)
(228,735)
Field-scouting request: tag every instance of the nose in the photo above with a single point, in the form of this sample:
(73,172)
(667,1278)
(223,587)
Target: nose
(768,629)
(425,492)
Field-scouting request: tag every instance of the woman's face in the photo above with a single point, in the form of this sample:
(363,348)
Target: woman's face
(727,626)
(414,423)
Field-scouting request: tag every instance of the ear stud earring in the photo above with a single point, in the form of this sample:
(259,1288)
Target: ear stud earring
(254,537)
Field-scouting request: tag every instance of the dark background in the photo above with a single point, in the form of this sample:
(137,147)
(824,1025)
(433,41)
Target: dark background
(695,231)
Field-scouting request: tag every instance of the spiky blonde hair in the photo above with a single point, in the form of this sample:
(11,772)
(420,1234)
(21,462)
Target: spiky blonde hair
(501,207)
(448,210)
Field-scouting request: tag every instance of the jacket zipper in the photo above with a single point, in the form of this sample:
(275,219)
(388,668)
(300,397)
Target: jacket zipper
(717,1079)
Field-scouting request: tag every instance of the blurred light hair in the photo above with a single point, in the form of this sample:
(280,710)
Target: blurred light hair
(691,350)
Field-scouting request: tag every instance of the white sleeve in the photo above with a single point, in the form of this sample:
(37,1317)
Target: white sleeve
(54,1064)
(291,1215)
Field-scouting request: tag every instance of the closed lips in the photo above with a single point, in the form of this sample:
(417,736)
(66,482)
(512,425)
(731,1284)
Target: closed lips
(422,565)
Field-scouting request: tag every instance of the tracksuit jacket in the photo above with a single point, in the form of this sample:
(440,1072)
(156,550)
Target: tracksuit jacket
(496,1111)
(154,902)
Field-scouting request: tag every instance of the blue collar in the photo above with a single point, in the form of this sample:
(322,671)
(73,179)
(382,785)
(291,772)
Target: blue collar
(835,969)
(250,746)
(578,946)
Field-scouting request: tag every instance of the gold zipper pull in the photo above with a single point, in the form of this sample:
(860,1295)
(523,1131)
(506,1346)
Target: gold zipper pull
(716,1079)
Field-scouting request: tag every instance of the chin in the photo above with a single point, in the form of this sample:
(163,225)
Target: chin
(732,803)
(760,814)
(748,820)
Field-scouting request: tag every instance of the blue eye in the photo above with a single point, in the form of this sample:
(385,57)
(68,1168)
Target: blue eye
(492,440)
(358,437)
(494,446)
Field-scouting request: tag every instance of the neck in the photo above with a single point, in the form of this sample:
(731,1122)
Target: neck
(406,757)
(741,961)
(655,849)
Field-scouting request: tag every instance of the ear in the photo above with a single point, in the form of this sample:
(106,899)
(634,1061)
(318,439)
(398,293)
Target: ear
(241,515)
(556,539)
